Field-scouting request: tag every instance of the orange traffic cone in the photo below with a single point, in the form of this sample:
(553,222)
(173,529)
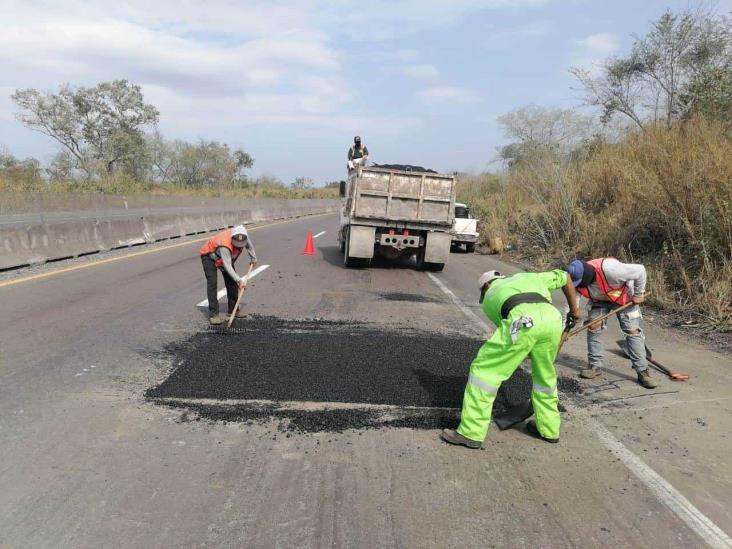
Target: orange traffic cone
(309,245)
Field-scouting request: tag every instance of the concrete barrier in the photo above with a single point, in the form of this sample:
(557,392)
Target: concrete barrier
(35,229)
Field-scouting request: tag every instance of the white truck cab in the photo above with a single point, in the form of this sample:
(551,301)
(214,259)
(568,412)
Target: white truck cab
(465,228)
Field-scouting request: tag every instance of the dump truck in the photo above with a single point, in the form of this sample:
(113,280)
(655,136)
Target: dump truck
(396,213)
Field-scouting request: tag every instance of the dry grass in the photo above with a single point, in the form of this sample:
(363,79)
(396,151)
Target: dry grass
(660,197)
(122,184)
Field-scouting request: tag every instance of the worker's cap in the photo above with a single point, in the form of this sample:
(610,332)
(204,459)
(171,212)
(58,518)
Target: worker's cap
(357,139)
(489,276)
(239,236)
(581,273)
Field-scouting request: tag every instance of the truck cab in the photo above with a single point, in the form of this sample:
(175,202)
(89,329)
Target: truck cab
(465,228)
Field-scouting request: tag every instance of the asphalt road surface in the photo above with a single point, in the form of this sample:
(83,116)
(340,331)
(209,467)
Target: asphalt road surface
(123,421)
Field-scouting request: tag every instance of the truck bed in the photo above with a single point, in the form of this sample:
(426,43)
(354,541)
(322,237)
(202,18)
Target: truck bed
(395,196)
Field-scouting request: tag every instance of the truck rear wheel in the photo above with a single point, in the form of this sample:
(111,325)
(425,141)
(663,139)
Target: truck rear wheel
(470,247)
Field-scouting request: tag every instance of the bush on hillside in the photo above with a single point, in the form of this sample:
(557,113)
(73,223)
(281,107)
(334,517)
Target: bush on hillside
(662,197)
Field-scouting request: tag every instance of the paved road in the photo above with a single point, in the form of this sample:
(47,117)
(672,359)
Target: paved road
(87,461)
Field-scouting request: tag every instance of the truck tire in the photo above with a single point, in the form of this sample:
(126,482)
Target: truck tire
(419,259)
(470,247)
(342,246)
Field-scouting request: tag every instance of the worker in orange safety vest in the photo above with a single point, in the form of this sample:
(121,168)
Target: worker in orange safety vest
(220,254)
(608,284)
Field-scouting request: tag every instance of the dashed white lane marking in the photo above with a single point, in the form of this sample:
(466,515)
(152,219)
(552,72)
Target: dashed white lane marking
(84,370)
(321,233)
(222,293)
(667,494)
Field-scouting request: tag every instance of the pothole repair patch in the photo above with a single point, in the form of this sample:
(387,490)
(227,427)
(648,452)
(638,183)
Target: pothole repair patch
(389,377)
(412,298)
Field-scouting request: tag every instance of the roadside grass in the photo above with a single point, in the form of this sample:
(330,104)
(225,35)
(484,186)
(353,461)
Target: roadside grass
(661,197)
(120,184)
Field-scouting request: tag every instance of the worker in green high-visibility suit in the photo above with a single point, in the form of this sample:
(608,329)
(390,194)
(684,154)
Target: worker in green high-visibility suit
(527,325)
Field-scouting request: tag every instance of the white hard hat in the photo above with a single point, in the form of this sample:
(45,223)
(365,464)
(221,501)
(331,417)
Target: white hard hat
(489,276)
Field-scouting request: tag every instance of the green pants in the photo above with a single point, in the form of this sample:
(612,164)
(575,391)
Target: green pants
(499,357)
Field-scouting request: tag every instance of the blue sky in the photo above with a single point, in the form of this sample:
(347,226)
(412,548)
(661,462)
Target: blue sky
(291,82)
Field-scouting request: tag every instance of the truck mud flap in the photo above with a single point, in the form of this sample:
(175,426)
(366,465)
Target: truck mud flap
(361,241)
(437,247)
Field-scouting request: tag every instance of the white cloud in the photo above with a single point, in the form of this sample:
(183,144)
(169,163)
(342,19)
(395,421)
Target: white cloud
(420,71)
(603,43)
(447,94)
(382,20)
(590,52)
(505,38)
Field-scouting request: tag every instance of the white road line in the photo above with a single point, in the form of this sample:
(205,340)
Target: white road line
(321,233)
(459,304)
(667,494)
(222,293)
(675,500)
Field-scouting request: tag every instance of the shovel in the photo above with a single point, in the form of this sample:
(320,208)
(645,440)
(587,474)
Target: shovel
(238,299)
(675,376)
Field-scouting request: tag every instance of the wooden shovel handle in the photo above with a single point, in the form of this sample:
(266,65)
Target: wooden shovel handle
(238,299)
(600,319)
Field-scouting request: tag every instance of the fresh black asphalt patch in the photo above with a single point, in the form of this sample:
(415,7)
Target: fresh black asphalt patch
(274,359)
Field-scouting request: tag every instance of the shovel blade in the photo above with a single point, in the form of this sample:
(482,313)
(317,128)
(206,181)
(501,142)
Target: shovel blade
(515,414)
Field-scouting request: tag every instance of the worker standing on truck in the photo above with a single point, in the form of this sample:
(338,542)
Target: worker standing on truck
(608,284)
(220,253)
(527,325)
(358,154)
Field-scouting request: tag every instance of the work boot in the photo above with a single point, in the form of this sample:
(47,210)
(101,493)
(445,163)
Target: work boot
(216,320)
(645,379)
(240,313)
(533,430)
(589,373)
(453,437)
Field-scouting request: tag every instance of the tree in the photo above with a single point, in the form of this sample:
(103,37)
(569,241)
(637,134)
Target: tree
(709,94)
(667,70)
(62,167)
(542,131)
(302,183)
(102,126)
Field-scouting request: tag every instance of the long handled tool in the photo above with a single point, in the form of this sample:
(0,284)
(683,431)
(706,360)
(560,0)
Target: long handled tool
(599,319)
(524,410)
(238,299)
(674,376)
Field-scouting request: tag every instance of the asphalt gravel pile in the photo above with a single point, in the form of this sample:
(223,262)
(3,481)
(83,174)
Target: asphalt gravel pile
(315,360)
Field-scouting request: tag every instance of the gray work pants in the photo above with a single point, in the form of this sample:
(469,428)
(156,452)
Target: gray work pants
(630,321)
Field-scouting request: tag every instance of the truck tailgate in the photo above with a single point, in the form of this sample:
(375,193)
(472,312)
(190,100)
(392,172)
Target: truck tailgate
(404,196)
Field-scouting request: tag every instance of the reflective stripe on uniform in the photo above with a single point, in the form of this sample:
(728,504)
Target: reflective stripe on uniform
(546,390)
(482,385)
